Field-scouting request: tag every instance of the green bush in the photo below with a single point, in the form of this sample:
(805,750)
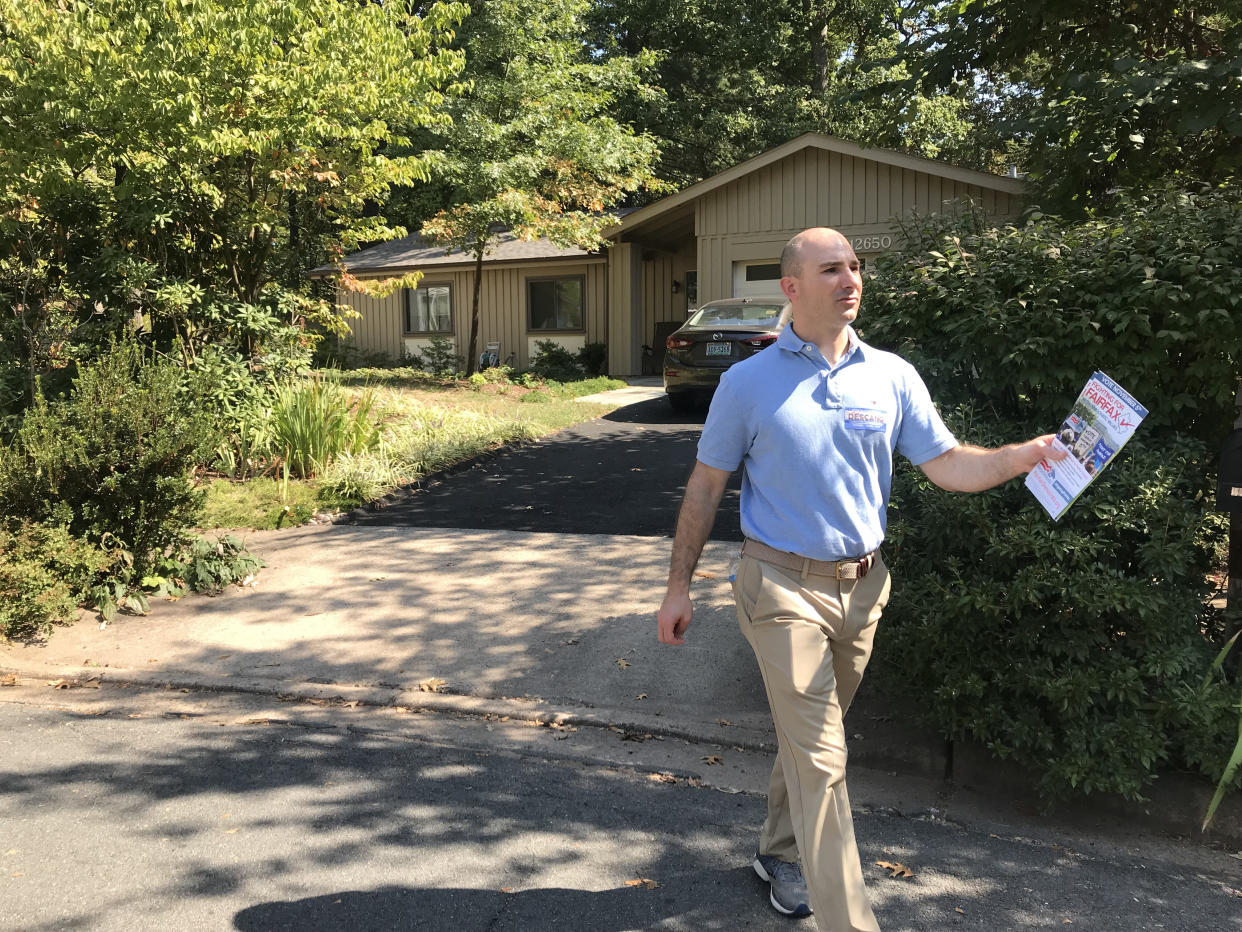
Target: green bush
(440,358)
(553,361)
(110,462)
(45,573)
(1074,647)
(593,358)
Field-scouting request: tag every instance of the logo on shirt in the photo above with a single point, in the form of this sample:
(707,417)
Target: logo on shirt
(865,419)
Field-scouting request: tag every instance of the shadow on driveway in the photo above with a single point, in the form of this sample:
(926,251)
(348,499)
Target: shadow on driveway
(623,473)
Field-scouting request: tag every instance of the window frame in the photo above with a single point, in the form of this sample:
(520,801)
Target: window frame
(537,279)
(406,309)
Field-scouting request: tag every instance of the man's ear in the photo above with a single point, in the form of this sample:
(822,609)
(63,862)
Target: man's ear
(789,286)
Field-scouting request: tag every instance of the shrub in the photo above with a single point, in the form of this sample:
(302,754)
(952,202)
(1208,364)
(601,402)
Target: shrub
(440,358)
(553,361)
(593,358)
(1076,647)
(45,573)
(111,461)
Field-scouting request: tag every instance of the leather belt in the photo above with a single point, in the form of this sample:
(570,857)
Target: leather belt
(840,569)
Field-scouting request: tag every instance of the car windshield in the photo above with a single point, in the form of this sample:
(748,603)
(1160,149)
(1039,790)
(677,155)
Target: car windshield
(736,315)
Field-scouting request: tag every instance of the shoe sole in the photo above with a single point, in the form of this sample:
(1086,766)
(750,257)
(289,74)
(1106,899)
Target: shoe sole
(766,878)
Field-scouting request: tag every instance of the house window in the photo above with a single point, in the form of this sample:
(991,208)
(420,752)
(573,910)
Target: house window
(763,273)
(429,309)
(554,303)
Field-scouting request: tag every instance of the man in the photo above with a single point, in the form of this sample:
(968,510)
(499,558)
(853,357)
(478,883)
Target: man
(815,419)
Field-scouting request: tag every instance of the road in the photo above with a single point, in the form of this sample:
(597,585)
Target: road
(135,810)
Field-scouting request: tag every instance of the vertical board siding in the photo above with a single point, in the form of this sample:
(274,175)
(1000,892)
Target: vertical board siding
(502,309)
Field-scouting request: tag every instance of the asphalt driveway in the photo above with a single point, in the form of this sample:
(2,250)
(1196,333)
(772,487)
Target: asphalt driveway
(623,473)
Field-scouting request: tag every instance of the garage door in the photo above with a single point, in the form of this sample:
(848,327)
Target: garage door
(760,279)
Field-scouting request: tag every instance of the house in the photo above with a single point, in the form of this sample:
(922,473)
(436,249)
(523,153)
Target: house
(721,237)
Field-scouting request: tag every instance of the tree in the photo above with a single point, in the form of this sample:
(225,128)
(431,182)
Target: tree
(178,166)
(532,147)
(738,77)
(1111,94)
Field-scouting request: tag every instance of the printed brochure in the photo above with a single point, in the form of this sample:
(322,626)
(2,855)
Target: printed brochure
(1103,418)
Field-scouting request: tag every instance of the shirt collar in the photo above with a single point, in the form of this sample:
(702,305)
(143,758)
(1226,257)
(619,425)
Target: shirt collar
(788,340)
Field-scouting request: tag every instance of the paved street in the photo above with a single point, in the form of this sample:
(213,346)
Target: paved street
(453,728)
(128,810)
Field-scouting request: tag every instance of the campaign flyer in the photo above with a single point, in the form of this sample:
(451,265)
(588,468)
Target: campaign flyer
(1103,418)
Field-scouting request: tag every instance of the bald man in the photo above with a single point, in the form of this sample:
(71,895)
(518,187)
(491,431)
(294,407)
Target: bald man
(815,420)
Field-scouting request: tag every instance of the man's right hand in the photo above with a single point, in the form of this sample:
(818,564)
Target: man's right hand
(674,618)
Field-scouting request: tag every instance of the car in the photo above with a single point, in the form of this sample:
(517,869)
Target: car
(713,338)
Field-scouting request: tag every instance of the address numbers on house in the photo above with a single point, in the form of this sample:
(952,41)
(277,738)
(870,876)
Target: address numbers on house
(870,243)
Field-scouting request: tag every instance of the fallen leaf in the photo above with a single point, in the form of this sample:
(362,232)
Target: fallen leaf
(59,684)
(11,851)
(712,759)
(506,889)
(400,708)
(641,696)
(352,704)
(723,722)
(432,684)
(896,869)
(702,575)
(152,660)
(623,663)
(643,882)
(958,909)
(230,831)
(10,680)
(661,778)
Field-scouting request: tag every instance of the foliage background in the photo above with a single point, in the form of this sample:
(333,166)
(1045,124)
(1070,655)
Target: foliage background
(1075,648)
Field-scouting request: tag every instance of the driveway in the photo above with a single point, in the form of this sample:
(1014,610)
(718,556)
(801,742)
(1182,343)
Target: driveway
(623,473)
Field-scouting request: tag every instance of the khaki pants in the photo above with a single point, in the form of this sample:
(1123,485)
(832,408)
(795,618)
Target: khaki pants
(812,636)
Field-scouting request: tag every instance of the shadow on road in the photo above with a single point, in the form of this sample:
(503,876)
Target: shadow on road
(623,473)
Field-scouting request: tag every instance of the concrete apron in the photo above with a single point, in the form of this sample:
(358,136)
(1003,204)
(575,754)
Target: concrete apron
(543,627)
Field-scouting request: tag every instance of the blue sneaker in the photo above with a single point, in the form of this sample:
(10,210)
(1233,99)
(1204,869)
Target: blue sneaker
(788,886)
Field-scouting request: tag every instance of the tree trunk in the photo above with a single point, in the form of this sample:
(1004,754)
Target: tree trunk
(472,356)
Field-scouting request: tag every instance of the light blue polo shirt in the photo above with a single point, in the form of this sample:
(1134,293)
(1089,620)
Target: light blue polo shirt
(817,442)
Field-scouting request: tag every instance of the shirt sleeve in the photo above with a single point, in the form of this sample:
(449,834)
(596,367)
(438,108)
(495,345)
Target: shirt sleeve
(726,435)
(923,435)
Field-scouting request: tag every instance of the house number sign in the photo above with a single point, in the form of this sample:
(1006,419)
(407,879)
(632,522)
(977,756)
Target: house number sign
(868,243)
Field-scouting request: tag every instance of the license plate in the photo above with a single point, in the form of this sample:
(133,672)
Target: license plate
(719,349)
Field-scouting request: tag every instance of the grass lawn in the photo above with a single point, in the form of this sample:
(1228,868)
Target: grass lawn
(424,427)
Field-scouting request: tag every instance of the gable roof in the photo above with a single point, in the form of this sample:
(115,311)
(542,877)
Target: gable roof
(413,252)
(829,144)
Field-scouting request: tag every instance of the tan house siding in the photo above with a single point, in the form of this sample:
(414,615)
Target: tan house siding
(753,217)
(659,303)
(503,290)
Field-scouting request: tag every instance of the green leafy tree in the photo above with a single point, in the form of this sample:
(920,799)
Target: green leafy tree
(533,147)
(1109,94)
(736,78)
(177,166)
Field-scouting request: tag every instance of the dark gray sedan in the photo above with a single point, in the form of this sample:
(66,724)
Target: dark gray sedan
(716,336)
